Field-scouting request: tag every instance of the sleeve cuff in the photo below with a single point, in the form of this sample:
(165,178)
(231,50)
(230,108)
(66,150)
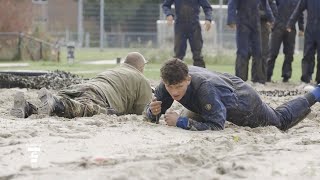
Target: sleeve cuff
(182,122)
(150,116)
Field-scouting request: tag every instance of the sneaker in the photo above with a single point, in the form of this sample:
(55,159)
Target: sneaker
(47,102)
(309,88)
(20,106)
(306,87)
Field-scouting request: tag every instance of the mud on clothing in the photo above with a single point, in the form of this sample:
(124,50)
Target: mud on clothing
(217,98)
(122,90)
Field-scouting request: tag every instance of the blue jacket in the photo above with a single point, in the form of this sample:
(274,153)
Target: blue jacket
(285,9)
(214,96)
(313,8)
(273,7)
(187,11)
(248,11)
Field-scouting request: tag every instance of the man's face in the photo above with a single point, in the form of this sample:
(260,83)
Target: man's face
(177,91)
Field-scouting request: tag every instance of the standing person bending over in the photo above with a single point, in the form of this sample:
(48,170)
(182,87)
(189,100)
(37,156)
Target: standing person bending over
(213,98)
(187,26)
(122,90)
(280,35)
(311,37)
(244,16)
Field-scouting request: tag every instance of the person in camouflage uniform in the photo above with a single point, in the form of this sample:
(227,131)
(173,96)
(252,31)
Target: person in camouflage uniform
(212,98)
(122,90)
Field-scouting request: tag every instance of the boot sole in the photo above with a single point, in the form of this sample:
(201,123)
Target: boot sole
(47,102)
(19,104)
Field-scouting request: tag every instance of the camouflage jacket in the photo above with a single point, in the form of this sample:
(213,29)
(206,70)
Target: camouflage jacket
(125,89)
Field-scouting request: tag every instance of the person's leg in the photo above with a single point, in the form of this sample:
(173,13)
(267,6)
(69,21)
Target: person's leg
(265,32)
(80,101)
(283,117)
(196,43)
(307,63)
(288,50)
(317,36)
(253,112)
(22,108)
(258,75)
(242,61)
(180,41)
(275,43)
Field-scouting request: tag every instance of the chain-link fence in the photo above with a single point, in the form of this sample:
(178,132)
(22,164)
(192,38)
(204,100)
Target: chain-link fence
(140,25)
(112,24)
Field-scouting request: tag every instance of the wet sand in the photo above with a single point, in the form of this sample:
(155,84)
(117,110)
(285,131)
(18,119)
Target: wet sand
(127,147)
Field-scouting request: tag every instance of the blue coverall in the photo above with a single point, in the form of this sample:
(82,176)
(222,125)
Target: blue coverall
(265,33)
(218,98)
(312,37)
(245,14)
(280,35)
(187,26)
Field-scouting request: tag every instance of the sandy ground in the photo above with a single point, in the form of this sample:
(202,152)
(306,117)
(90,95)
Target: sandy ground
(126,147)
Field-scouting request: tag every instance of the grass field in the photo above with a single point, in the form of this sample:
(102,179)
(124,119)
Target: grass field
(222,63)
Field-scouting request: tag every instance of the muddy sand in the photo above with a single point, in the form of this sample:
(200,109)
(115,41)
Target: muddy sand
(126,147)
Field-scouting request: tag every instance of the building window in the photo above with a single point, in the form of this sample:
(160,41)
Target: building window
(40,1)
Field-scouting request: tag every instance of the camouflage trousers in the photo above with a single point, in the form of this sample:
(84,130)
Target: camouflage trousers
(82,101)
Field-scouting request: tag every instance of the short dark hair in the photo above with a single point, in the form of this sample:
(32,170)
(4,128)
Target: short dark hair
(174,71)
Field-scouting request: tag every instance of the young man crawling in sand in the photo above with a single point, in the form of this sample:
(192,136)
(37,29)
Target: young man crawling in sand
(122,90)
(213,98)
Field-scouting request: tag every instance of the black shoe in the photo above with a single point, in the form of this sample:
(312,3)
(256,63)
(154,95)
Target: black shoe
(19,109)
(199,63)
(285,79)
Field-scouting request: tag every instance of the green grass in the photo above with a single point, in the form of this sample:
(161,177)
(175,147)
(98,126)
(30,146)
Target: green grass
(221,62)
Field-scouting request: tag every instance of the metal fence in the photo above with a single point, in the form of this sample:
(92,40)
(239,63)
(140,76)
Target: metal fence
(140,25)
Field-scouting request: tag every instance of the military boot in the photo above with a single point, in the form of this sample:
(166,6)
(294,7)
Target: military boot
(50,104)
(242,67)
(199,63)
(21,108)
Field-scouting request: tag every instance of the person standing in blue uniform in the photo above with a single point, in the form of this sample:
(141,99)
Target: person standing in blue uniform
(266,26)
(280,35)
(244,16)
(187,26)
(311,37)
(213,98)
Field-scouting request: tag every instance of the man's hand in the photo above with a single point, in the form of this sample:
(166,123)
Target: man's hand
(170,20)
(155,106)
(207,25)
(289,29)
(232,26)
(270,26)
(301,33)
(171,118)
